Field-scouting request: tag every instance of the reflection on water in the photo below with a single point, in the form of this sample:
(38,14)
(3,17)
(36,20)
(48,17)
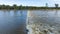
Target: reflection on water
(13,22)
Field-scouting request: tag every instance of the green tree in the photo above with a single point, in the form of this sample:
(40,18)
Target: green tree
(7,7)
(46,4)
(15,6)
(20,7)
(3,6)
(56,5)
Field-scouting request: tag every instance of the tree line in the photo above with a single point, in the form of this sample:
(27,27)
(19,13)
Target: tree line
(15,7)
(8,7)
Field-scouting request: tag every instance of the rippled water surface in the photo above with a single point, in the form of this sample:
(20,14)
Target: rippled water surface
(13,22)
(48,16)
(44,21)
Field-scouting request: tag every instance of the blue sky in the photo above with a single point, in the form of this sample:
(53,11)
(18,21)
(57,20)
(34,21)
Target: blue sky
(30,2)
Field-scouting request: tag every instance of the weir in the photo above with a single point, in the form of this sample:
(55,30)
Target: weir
(40,22)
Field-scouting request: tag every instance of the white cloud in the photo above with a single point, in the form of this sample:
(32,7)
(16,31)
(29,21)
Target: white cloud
(56,0)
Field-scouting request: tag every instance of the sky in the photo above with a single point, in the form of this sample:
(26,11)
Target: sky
(30,2)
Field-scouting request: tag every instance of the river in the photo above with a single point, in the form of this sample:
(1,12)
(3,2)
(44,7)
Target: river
(13,21)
